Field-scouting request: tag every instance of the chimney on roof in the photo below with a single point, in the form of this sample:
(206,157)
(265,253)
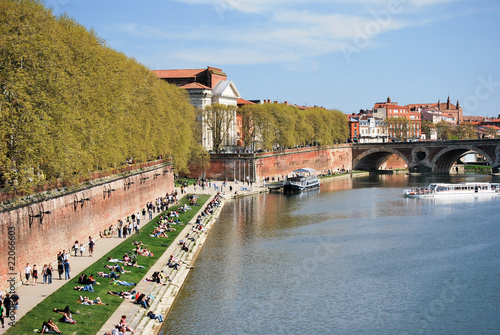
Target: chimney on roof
(286,103)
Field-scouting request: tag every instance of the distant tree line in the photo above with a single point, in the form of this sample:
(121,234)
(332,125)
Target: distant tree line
(269,126)
(70,105)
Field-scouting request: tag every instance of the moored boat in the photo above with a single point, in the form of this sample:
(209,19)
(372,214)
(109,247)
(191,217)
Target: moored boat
(303,180)
(436,190)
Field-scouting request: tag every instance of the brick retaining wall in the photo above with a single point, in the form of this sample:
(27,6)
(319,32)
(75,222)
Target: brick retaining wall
(71,219)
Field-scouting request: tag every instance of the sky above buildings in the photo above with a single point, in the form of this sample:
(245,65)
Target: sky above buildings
(344,54)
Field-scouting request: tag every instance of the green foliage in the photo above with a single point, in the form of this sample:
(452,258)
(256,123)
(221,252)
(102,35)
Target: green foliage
(268,126)
(70,105)
(219,119)
(398,127)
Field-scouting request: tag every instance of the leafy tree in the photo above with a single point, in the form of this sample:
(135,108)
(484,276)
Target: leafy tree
(467,130)
(219,119)
(70,105)
(443,129)
(399,127)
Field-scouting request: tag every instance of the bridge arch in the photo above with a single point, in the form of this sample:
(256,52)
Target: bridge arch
(374,158)
(444,160)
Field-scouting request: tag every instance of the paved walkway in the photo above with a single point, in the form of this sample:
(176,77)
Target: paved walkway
(30,296)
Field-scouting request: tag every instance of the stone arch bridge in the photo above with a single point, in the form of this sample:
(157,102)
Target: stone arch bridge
(426,156)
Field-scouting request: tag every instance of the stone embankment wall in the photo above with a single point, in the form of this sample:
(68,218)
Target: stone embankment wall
(29,236)
(255,166)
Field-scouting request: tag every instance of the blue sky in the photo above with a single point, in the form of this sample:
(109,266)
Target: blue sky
(344,54)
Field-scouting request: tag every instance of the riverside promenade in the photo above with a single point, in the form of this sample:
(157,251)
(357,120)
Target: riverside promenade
(31,296)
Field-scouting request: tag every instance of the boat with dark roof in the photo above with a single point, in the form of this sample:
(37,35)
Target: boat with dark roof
(304,179)
(438,190)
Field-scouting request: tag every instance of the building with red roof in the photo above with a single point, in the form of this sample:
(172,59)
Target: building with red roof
(207,87)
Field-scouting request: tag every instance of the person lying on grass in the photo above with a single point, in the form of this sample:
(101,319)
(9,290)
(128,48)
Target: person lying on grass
(88,301)
(121,282)
(88,288)
(116,268)
(143,252)
(134,264)
(49,327)
(65,310)
(158,232)
(124,294)
(112,274)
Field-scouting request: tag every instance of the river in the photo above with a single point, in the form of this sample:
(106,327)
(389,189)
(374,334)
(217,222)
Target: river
(354,257)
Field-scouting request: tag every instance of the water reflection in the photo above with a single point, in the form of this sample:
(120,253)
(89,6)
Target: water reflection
(356,257)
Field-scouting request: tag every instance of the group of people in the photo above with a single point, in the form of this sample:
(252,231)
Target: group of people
(32,273)
(8,306)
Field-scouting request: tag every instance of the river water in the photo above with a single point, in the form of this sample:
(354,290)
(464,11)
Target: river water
(354,257)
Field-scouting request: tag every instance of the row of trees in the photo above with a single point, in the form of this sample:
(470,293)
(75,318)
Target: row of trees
(70,105)
(446,131)
(269,126)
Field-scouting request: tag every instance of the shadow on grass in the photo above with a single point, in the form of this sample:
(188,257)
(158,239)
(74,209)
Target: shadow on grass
(92,318)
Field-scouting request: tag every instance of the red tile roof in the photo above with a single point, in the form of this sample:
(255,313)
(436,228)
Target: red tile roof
(184,73)
(195,86)
(241,101)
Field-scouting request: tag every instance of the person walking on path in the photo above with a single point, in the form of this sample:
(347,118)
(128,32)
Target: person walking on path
(7,303)
(49,274)
(125,231)
(120,228)
(91,246)
(60,268)
(44,273)
(27,273)
(14,298)
(34,274)
(2,315)
(82,249)
(67,269)
(76,248)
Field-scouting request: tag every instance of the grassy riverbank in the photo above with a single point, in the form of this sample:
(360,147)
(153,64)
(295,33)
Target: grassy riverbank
(91,318)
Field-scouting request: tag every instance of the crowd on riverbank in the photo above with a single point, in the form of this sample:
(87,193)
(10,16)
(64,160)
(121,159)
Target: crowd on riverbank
(87,285)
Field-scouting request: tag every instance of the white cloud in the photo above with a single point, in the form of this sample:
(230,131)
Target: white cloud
(288,33)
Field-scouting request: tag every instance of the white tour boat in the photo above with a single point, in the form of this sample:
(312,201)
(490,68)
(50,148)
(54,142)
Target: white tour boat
(304,179)
(436,190)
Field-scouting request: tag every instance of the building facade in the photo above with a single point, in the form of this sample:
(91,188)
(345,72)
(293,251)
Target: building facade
(207,87)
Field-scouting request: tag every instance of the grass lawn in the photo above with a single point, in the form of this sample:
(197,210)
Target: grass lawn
(92,318)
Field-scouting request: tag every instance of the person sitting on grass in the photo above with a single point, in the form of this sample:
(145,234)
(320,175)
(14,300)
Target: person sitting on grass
(66,318)
(144,252)
(154,316)
(49,327)
(88,288)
